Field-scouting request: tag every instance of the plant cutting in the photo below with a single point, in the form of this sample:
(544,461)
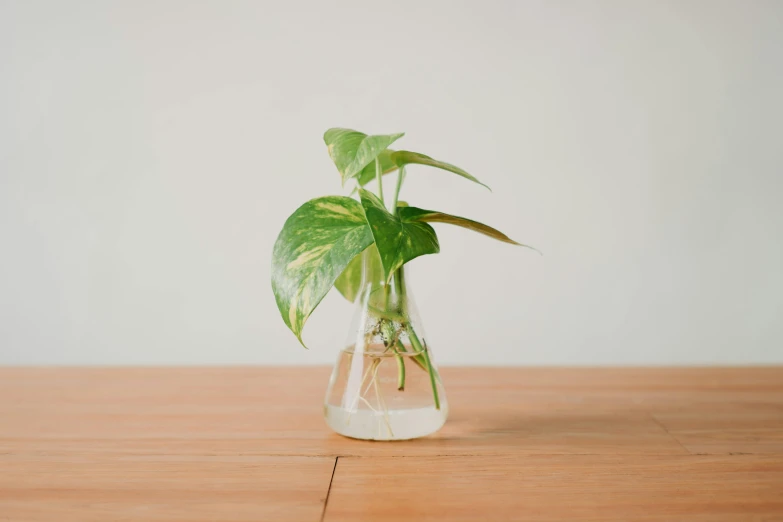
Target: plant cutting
(385,385)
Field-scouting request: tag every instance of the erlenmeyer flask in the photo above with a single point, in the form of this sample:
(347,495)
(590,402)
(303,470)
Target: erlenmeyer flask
(385,385)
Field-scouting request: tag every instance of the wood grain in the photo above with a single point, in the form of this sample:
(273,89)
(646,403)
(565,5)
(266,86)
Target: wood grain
(158,489)
(557,488)
(726,431)
(262,412)
(251,444)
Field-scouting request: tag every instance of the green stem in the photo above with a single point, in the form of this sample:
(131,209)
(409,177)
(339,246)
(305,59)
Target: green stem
(400,282)
(419,348)
(420,355)
(400,177)
(400,367)
(378,177)
(387,297)
(417,359)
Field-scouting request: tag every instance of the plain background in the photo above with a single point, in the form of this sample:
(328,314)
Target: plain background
(151,151)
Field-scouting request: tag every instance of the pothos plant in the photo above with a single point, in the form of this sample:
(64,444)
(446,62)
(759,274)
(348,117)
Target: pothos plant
(321,242)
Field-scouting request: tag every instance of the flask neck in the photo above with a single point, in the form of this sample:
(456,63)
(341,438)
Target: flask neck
(382,295)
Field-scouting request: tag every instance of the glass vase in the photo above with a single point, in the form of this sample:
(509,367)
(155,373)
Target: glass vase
(385,385)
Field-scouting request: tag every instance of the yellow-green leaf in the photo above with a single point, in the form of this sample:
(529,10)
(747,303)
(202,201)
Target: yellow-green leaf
(413,215)
(406,157)
(350,281)
(316,244)
(398,241)
(352,151)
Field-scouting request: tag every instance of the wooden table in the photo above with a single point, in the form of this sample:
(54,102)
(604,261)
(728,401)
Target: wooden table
(250,444)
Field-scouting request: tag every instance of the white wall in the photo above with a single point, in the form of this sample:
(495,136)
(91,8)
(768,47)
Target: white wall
(151,151)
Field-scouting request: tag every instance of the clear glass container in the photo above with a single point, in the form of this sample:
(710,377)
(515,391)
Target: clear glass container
(385,385)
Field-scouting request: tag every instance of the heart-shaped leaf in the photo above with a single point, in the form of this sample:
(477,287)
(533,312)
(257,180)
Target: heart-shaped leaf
(398,241)
(405,157)
(316,244)
(352,151)
(413,215)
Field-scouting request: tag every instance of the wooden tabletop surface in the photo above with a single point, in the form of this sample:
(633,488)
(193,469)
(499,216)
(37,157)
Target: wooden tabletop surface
(250,444)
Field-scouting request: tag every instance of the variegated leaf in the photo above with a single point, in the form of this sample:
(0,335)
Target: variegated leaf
(405,157)
(398,241)
(352,151)
(316,244)
(413,214)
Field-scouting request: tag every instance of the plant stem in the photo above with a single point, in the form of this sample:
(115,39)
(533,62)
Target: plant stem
(417,345)
(400,367)
(379,176)
(419,354)
(400,282)
(400,178)
(417,359)
(422,351)
(387,297)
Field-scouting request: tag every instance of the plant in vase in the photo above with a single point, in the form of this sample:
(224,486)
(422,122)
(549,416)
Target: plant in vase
(385,385)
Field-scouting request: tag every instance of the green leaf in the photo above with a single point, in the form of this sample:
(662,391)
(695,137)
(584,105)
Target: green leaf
(416,215)
(352,151)
(387,165)
(316,244)
(398,241)
(405,157)
(350,281)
